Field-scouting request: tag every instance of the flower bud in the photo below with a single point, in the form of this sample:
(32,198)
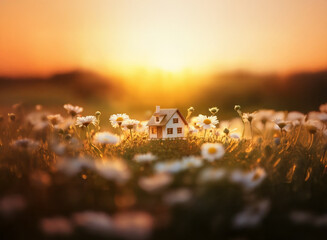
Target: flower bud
(190,109)
(12,117)
(237,107)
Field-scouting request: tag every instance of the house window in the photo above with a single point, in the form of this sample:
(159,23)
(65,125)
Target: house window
(175,120)
(169,131)
(179,130)
(153,130)
(157,119)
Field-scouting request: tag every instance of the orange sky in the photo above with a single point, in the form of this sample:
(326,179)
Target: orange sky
(129,37)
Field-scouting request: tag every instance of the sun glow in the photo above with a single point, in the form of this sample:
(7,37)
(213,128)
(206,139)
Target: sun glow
(169,36)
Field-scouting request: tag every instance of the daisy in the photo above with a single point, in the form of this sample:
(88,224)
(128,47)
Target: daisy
(142,126)
(206,122)
(147,157)
(73,110)
(94,221)
(55,119)
(313,126)
(11,204)
(212,151)
(86,121)
(113,169)
(249,180)
(283,125)
(248,116)
(25,144)
(169,167)
(73,166)
(191,162)
(295,116)
(155,182)
(130,124)
(253,214)
(38,120)
(264,115)
(178,196)
(57,226)
(211,174)
(116,120)
(133,225)
(105,138)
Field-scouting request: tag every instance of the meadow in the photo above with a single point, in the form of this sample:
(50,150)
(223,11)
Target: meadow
(260,175)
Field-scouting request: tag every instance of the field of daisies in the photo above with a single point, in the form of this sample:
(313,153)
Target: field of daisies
(261,175)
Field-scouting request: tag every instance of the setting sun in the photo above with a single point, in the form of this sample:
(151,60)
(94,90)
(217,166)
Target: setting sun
(113,36)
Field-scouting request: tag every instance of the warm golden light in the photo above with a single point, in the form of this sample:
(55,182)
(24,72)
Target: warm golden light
(118,36)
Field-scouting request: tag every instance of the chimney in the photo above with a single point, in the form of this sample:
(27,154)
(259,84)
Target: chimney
(157,109)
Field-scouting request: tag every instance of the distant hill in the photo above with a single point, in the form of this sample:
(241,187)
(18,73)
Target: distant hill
(301,91)
(81,83)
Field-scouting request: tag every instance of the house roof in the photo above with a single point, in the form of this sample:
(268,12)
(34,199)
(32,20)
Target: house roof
(167,114)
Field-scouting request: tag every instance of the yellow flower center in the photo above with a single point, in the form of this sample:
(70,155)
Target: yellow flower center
(212,150)
(207,121)
(120,119)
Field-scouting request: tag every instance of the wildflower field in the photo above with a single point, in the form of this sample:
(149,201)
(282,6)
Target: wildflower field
(261,175)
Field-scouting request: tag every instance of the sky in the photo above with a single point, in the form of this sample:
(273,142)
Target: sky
(143,38)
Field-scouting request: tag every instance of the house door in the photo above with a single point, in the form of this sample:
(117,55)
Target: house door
(159,132)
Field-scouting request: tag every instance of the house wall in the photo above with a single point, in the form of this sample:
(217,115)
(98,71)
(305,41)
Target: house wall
(174,126)
(150,132)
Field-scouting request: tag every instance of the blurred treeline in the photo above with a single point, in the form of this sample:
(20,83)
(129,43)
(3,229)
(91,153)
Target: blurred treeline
(302,91)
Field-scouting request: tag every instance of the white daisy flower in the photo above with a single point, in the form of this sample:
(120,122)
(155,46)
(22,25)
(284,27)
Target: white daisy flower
(25,144)
(57,226)
(249,180)
(147,157)
(155,182)
(236,136)
(313,126)
(281,123)
(295,116)
(73,110)
(116,120)
(86,121)
(38,120)
(113,169)
(169,167)
(178,196)
(55,119)
(105,138)
(191,162)
(253,214)
(94,221)
(142,126)
(206,122)
(11,204)
(212,151)
(211,175)
(248,116)
(133,225)
(73,166)
(130,124)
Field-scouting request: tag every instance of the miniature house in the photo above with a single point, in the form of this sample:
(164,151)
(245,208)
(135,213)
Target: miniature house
(167,123)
